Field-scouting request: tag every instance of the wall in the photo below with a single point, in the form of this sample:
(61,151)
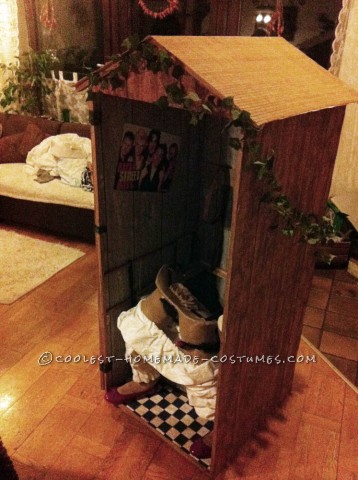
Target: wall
(345,177)
(79,24)
(307,24)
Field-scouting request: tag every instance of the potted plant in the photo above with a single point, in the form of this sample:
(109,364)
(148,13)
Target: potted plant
(26,84)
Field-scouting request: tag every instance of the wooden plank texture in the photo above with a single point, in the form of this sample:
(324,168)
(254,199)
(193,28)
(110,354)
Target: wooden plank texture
(31,21)
(269,277)
(225,17)
(118,204)
(142,230)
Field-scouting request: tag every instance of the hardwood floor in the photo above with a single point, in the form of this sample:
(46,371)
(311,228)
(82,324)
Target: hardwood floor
(331,319)
(53,419)
(56,425)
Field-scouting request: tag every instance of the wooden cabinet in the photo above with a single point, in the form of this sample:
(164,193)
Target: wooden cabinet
(268,275)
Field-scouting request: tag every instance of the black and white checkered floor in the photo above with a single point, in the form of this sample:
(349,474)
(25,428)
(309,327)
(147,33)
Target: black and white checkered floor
(169,412)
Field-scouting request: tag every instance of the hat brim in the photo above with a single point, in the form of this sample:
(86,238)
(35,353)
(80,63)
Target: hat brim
(193,329)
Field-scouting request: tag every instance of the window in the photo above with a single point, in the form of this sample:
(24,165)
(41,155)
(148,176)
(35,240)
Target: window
(9,31)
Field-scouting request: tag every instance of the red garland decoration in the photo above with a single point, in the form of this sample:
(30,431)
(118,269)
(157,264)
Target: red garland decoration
(173,5)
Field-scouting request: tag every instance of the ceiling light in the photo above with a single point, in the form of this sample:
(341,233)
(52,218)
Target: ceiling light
(267,18)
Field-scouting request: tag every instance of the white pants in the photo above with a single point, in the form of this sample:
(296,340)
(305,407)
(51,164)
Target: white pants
(143,336)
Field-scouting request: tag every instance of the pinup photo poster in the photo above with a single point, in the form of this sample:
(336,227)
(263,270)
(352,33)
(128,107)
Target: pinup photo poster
(147,159)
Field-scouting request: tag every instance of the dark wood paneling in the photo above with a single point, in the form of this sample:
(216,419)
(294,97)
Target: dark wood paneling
(192,151)
(31,21)
(215,165)
(106,11)
(142,230)
(101,239)
(147,230)
(269,278)
(174,207)
(118,205)
(116,26)
(225,17)
(121,371)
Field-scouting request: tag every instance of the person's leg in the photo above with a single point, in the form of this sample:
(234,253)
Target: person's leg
(145,377)
(133,387)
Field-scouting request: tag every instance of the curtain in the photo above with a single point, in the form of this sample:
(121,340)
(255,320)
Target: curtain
(65,97)
(344,64)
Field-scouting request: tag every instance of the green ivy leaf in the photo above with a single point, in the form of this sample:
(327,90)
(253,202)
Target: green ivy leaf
(235,113)
(131,43)
(288,232)
(162,102)
(104,84)
(269,162)
(261,173)
(178,71)
(313,241)
(227,102)
(165,60)
(154,65)
(116,82)
(166,64)
(192,96)
(206,108)
(311,229)
(135,58)
(187,103)
(175,92)
(148,51)
(235,143)
(124,69)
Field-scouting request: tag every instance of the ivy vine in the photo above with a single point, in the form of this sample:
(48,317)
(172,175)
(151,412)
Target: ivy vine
(139,56)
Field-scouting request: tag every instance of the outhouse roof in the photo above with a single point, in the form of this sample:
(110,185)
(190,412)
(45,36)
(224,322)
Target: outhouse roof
(267,76)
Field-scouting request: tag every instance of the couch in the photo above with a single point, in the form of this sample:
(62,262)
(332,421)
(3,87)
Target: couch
(53,206)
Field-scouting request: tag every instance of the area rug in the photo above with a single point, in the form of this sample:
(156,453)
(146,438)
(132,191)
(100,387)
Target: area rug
(26,263)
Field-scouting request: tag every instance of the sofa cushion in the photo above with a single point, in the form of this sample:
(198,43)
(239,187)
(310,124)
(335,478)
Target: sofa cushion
(9,152)
(32,136)
(18,123)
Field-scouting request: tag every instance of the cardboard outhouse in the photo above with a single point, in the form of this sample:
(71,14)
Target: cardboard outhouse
(212,212)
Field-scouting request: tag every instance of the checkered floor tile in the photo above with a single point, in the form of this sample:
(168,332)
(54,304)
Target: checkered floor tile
(168,411)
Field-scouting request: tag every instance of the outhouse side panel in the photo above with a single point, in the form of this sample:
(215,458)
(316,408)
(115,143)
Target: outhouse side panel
(269,278)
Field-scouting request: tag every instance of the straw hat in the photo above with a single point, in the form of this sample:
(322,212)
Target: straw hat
(193,328)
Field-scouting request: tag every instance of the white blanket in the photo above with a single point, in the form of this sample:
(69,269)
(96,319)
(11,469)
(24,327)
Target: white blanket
(144,337)
(16,183)
(65,156)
